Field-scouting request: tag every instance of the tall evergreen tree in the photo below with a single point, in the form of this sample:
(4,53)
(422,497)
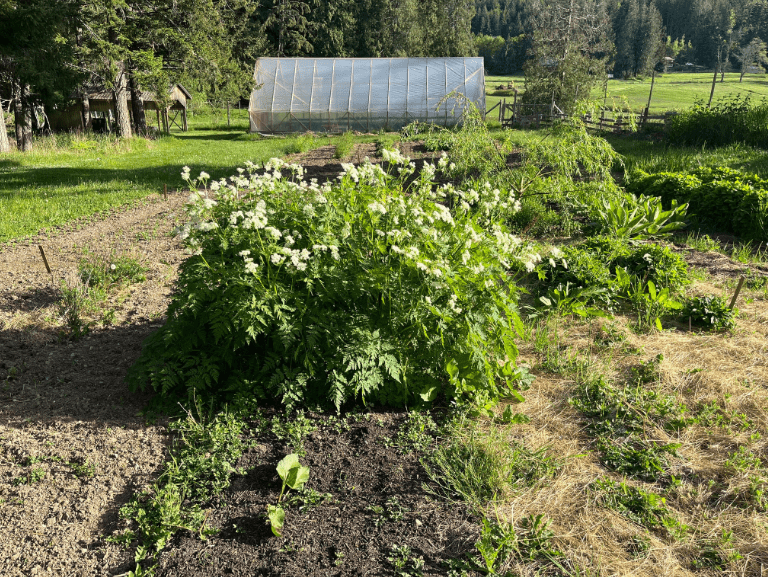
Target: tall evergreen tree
(288,27)
(571,46)
(638,31)
(37,57)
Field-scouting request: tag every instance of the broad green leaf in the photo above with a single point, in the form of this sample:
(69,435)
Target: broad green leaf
(297,477)
(429,395)
(276,515)
(286,464)
(658,323)
(652,289)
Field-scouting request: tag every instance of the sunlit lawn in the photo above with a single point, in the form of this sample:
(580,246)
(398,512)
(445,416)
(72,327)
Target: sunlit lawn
(67,177)
(671,91)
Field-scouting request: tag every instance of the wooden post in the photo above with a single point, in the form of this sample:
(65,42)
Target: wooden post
(45,260)
(514,105)
(157,111)
(712,92)
(228,123)
(165,191)
(650,95)
(184,119)
(736,294)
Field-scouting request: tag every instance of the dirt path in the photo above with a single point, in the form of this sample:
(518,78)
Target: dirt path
(73,446)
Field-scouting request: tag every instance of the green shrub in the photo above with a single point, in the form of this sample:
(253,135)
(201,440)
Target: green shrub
(722,198)
(733,119)
(593,264)
(711,312)
(304,143)
(668,186)
(655,263)
(354,291)
(344,145)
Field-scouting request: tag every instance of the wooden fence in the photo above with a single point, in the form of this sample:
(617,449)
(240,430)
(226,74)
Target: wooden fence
(519,115)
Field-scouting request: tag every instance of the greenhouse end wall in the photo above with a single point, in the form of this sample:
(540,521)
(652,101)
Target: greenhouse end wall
(362,94)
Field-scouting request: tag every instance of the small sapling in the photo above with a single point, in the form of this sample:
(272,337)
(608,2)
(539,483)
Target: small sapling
(294,475)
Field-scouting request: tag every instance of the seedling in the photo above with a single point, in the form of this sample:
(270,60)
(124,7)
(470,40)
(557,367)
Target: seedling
(294,475)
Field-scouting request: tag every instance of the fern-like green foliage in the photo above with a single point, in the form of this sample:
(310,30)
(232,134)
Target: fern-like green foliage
(353,291)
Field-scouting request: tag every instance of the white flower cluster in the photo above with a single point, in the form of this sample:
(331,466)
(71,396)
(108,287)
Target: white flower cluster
(394,157)
(250,266)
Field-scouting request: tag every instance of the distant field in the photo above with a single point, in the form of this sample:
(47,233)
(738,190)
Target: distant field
(672,91)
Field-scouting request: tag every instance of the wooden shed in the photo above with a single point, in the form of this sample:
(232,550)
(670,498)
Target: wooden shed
(102,110)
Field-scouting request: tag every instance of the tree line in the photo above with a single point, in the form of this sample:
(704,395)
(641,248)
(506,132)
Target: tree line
(706,33)
(52,50)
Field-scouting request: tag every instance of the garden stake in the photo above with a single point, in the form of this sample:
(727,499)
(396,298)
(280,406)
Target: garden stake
(736,294)
(689,324)
(45,260)
(165,191)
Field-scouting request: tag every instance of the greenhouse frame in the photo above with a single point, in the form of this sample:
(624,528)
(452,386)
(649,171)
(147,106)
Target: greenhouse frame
(362,94)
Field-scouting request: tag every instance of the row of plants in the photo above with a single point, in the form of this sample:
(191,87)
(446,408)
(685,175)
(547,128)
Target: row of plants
(732,119)
(721,198)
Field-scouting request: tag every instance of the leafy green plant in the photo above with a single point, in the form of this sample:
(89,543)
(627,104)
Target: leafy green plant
(709,311)
(304,143)
(75,303)
(500,543)
(651,262)
(565,301)
(293,429)
(103,271)
(203,456)
(642,507)
(417,433)
(403,563)
(716,553)
(743,460)
(336,294)
(83,470)
(509,417)
(618,420)
(294,475)
(649,303)
(647,372)
(344,145)
(639,217)
(35,475)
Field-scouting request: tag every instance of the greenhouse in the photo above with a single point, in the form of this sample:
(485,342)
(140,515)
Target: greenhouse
(363,94)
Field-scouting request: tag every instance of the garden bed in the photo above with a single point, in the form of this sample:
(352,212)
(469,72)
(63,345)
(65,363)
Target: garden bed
(76,448)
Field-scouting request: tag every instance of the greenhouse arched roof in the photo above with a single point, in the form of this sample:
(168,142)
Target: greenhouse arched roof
(364,94)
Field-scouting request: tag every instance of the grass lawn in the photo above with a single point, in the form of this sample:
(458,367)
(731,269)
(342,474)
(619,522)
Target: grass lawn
(671,91)
(66,177)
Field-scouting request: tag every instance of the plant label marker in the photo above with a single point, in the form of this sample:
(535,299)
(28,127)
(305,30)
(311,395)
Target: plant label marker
(736,294)
(45,260)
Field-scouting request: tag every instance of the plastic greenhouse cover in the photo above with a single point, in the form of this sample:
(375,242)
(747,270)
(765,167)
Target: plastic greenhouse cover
(336,94)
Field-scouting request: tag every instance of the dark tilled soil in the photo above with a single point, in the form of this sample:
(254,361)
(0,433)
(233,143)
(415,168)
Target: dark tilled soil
(342,536)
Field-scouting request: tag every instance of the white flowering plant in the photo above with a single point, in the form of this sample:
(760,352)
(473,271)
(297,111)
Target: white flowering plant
(355,290)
